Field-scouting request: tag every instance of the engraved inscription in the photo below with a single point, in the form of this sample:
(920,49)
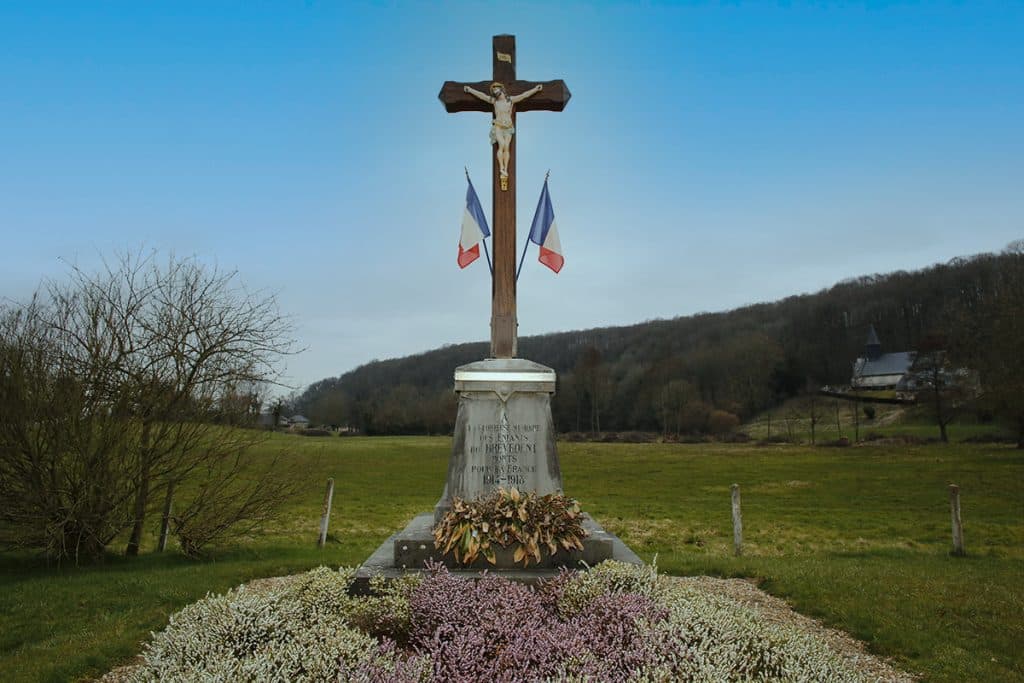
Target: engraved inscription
(506,450)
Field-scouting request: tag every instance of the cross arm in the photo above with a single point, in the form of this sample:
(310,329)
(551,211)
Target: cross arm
(553,97)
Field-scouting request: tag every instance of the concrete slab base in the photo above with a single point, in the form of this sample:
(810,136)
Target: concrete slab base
(408,550)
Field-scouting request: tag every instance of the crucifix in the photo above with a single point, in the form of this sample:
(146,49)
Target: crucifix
(504,97)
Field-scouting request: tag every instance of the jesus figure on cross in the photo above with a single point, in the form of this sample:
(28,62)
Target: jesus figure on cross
(502,128)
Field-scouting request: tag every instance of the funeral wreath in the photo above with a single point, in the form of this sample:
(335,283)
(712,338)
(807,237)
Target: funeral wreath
(530,524)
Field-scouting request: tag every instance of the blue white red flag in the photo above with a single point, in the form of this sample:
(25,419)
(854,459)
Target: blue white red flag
(474,228)
(544,232)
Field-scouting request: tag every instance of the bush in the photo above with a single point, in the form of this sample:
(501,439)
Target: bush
(637,437)
(693,418)
(313,432)
(991,437)
(119,386)
(722,422)
(616,622)
(735,437)
(610,437)
(301,630)
(576,591)
(904,439)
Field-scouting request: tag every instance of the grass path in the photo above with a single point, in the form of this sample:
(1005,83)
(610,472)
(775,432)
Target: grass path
(858,537)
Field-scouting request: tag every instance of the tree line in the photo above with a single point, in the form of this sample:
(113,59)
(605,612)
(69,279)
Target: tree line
(688,374)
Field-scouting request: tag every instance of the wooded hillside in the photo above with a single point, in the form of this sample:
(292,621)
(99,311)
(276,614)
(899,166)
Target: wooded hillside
(677,375)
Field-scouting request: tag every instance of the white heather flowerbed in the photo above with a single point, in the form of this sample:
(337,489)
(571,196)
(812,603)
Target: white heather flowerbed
(616,622)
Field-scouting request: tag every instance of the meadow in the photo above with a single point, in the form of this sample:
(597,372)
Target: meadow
(858,537)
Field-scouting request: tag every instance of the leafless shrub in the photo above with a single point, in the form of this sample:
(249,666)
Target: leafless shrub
(227,500)
(120,384)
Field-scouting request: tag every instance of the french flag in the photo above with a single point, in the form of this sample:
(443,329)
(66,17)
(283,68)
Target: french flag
(474,228)
(544,232)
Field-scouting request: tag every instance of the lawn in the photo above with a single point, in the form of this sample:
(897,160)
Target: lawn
(858,537)
(790,421)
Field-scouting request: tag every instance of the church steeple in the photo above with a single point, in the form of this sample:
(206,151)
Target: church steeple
(873,347)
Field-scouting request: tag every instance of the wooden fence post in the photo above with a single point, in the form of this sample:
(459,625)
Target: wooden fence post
(326,515)
(958,529)
(737,521)
(165,520)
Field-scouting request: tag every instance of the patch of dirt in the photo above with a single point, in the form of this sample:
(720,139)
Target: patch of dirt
(888,417)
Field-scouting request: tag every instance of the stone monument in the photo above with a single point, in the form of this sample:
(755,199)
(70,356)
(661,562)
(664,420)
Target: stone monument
(504,435)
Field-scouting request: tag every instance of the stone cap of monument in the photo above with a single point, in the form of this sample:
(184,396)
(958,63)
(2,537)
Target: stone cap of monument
(505,376)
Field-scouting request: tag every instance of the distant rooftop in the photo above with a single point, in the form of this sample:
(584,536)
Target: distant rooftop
(896,363)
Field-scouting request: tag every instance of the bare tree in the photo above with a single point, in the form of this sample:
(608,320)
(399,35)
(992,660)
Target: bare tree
(792,418)
(814,414)
(937,388)
(146,371)
(855,407)
(671,397)
(65,470)
(592,377)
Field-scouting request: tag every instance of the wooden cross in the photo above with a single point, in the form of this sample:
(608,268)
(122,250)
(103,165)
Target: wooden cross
(553,97)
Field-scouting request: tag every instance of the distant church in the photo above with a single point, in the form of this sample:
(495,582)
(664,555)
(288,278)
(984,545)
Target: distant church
(882,371)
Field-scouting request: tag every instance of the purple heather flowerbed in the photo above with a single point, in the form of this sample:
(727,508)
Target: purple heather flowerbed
(613,623)
(496,630)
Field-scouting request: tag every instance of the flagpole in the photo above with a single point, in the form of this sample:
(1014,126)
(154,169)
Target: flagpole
(488,255)
(526,242)
(526,245)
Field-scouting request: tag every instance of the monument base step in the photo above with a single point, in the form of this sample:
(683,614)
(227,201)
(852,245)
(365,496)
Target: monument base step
(409,550)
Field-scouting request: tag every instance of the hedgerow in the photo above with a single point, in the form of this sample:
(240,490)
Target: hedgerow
(614,622)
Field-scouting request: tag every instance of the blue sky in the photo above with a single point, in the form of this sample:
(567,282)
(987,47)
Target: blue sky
(712,155)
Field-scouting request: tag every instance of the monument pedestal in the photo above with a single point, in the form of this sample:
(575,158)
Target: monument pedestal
(504,438)
(504,435)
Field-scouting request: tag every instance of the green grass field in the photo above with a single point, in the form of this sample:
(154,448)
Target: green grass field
(858,537)
(791,421)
